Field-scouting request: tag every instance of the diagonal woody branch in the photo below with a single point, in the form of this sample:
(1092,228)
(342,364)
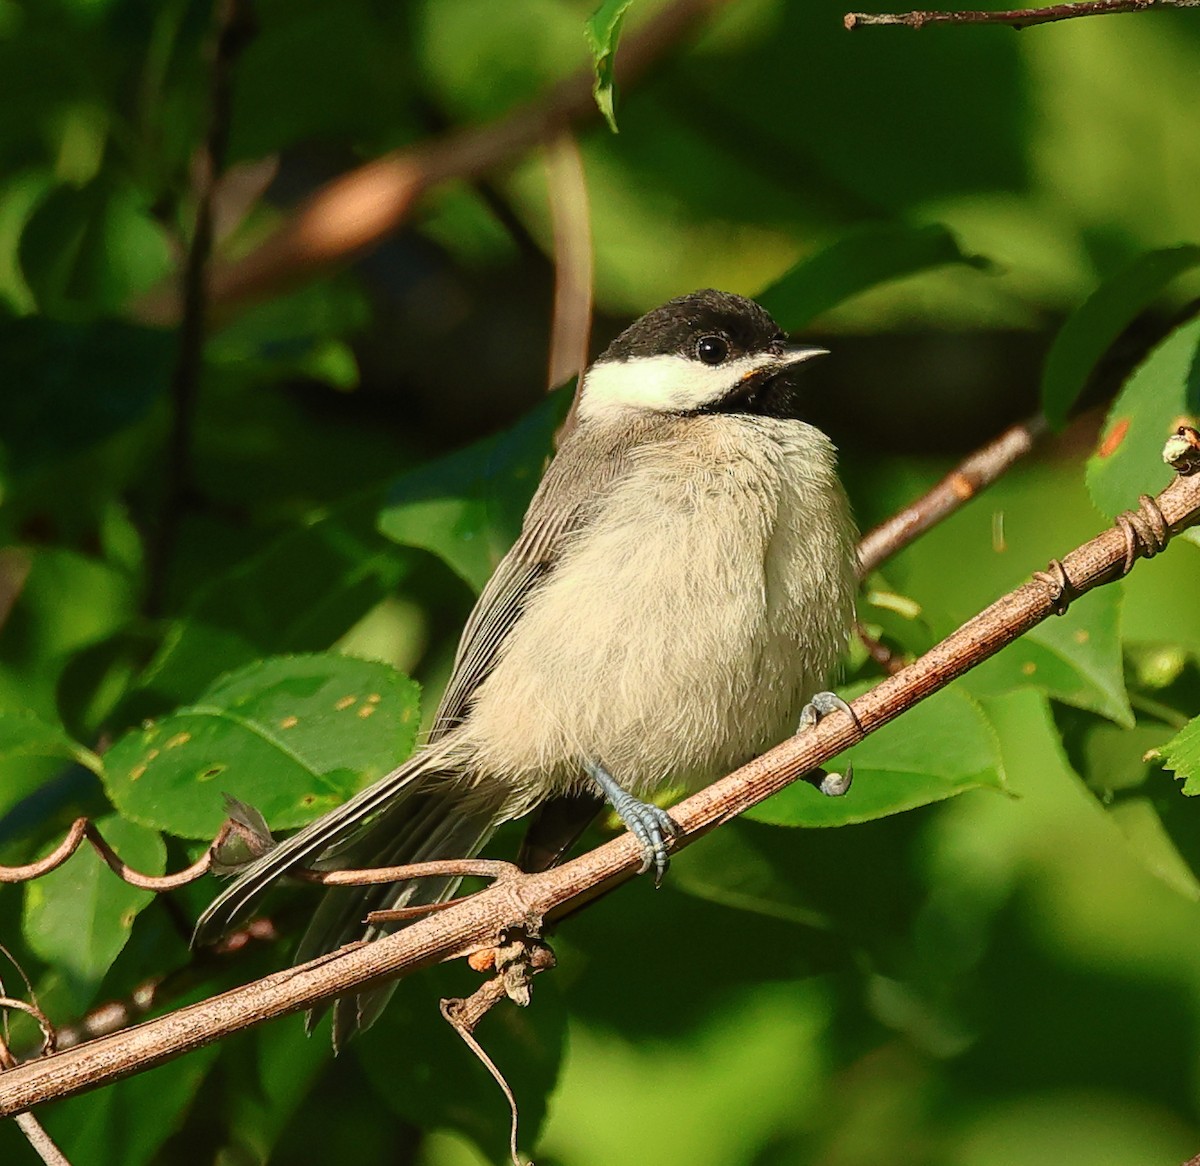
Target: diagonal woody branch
(531,900)
(362,207)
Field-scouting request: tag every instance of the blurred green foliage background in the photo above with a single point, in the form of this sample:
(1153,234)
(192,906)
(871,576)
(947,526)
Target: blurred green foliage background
(1009,972)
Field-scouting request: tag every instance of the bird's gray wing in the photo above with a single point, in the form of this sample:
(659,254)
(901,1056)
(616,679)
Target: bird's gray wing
(574,481)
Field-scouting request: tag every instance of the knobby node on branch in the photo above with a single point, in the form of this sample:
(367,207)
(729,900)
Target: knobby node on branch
(523,904)
(1017,18)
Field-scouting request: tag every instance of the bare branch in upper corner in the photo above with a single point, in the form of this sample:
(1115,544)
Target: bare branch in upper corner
(1014,17)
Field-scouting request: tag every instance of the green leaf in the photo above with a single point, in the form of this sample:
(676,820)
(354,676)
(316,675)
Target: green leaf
(293,736)
(1123,768)
(73,385)
(1181,755)
(78,917)
(939,748)
(1162,393)
(1090,332)
(467,508)
(857,262)
(602,30)
(24,734)
(1075,658)
(87,250)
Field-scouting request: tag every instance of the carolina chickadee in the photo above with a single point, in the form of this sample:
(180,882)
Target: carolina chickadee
(683,583)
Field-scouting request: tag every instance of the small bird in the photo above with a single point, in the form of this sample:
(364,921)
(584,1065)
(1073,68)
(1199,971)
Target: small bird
(682,588)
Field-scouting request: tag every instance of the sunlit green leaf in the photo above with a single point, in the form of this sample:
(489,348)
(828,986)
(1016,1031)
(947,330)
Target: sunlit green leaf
(939,748)
(857,262)
(1162,394)
(292,735)
(1181,755)
(1075,658)
(603,30)
(1090,331)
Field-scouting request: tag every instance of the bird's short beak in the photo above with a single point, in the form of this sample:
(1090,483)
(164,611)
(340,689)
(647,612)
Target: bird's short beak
(795,353)
(774,364)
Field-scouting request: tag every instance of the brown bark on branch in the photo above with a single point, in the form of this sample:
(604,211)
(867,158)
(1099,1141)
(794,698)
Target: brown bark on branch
(358,210)
(968,478)
(529,901)
(1015,18)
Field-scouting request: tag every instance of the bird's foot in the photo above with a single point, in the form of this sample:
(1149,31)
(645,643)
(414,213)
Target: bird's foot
(832,785)
(651,825)
(821,705)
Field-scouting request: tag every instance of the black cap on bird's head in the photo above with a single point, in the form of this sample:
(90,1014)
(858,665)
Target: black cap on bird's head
(707,352)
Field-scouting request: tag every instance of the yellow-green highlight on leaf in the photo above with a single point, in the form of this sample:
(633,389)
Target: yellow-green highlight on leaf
(602,30)
(293,736)
(1162,394)
(940,747)
(1075,658)
(861,260)
(1095,325)
(1181,755)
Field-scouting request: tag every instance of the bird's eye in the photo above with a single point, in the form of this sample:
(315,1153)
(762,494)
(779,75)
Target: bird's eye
(712,349)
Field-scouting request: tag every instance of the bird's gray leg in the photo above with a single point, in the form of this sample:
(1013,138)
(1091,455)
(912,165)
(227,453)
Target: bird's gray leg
(832,785)
(649,824)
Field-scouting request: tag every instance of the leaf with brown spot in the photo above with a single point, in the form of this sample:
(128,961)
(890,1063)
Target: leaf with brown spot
(286,735)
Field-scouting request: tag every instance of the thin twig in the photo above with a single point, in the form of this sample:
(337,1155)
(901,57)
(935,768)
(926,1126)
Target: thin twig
(43,1145)
(967,479)
(229,35)
(450,1015)
(358,210)
(40,1141)
(82,829)
(531,900)
(1015,17)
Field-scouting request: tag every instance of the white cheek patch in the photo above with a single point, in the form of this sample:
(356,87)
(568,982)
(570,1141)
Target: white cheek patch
(663,384)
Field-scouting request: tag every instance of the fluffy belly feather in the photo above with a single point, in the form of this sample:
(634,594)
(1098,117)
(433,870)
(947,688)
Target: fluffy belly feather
(683,630)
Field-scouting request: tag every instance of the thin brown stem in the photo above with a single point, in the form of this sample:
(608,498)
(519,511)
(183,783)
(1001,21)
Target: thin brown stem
(967,479)
(1015,17)
(529,901)
(230,29)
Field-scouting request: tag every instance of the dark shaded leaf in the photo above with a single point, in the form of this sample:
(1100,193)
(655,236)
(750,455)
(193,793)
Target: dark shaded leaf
(1090,331)
(71,386)
(467,508)
(423,1071)
(86,251)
